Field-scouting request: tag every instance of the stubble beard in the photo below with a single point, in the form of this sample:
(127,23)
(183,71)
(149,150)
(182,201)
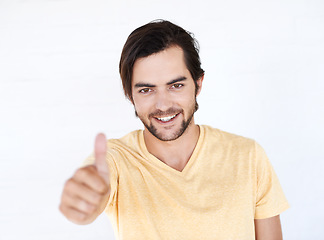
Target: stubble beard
(184,125)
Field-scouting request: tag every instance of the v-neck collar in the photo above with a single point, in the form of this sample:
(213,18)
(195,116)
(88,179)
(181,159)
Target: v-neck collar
(163,165)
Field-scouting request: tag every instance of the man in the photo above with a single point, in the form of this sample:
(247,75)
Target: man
(175,179)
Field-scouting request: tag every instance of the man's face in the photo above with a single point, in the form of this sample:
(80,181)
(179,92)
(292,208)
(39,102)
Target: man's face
(164,93)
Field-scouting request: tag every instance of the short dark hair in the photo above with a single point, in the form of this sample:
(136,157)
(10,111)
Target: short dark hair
(152,38)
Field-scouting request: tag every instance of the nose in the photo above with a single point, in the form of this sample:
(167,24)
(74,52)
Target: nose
(163,101)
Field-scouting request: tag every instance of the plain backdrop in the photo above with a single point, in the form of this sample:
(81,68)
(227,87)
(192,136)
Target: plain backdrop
(59,87)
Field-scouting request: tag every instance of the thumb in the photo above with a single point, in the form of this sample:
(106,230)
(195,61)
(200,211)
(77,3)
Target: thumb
(100,151)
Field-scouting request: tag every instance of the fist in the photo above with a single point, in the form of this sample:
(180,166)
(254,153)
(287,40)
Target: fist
(86,193)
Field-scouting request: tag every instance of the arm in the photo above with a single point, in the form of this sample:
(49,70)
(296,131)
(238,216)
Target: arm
(268,228)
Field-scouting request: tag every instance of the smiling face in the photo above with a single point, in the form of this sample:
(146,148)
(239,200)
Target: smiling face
(164,94)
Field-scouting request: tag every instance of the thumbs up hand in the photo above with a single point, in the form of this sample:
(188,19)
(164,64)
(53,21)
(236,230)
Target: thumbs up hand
(86,193)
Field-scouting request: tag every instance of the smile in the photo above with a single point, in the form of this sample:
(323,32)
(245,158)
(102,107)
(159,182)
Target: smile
(166,119)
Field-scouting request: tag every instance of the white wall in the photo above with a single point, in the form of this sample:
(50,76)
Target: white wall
(59,86)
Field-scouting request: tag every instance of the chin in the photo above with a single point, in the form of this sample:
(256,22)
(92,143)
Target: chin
(171,134)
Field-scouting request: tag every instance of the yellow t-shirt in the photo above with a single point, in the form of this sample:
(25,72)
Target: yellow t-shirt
(227,183)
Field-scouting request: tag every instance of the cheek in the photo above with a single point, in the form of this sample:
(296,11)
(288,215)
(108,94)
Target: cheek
(185,99)
(141,106)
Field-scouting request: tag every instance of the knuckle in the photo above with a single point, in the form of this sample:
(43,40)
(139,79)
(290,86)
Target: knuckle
(80,172)
(84,172)
(68,184)
(61,208)
(78,215)
(86,207)
(82,217)
(106,188)
(96,198)
(91,210)
(78,218)
(102,187)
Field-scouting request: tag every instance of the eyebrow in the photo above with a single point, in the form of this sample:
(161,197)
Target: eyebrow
(139,85)
(179,79)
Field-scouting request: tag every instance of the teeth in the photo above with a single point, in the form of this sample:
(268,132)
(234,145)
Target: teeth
(165,119)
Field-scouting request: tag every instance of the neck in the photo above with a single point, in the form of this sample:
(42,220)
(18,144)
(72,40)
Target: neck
(176,153)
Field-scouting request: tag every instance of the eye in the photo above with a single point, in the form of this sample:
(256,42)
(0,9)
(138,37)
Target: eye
(145,90)
(177,85)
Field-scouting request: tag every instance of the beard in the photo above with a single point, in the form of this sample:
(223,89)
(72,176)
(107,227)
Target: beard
(172,111)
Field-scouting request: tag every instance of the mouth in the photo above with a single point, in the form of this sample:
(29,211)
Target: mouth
(166,119)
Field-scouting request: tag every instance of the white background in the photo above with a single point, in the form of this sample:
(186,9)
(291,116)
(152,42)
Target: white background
(59,86)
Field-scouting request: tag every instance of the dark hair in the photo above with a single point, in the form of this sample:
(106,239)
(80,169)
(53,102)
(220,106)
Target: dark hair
(152,38)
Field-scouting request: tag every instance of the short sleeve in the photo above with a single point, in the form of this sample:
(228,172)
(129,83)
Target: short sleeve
(113,176)
(270,199)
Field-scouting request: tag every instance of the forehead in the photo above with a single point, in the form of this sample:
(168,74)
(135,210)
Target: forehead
(160,67)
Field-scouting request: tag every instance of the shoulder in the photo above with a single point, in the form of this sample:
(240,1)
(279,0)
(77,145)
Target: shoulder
(130,140)
(126,147)
(226,138)
(245,149)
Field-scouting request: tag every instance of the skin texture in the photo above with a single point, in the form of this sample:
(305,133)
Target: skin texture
(162,86)
(268,229)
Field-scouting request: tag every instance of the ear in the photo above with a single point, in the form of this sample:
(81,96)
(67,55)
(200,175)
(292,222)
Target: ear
(199,84)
